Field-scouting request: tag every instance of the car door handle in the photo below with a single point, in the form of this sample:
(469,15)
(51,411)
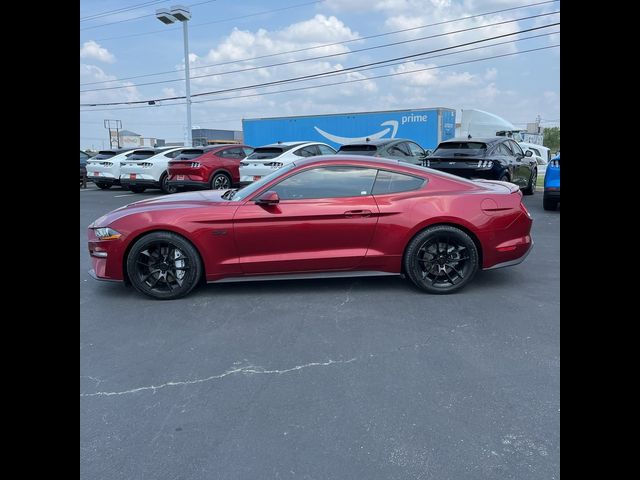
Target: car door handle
(357,213)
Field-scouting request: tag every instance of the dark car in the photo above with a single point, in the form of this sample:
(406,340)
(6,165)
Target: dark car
(83,163)
(393,148)
(493,158)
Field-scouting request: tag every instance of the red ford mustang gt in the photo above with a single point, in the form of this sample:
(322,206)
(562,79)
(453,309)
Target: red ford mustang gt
(331,216)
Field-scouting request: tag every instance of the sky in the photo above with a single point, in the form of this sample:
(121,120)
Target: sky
(120,40)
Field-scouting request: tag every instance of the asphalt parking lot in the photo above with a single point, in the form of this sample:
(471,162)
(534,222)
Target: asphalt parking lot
(323,379)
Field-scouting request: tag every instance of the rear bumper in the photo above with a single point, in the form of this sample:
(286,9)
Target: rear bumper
(105,180)
(552,194)
(189,184)
(515,261)
(125,182)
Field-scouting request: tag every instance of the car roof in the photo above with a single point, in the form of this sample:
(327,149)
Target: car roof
(378,142)
(289,145)
(489,140)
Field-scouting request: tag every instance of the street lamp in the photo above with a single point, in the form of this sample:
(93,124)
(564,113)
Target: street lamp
(180,13)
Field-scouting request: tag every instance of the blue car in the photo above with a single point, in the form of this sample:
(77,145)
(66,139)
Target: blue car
(551,196)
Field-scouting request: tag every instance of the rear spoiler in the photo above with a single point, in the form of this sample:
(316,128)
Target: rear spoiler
(513,188)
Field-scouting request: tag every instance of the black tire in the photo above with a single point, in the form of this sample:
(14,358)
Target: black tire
(431,248)
(137,188)
(549,203)
(220,181)
(531,186)
(505,177)
(156,261)
(164,184)
(102,185)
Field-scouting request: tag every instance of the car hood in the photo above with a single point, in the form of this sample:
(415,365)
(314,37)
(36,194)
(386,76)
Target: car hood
(200,199)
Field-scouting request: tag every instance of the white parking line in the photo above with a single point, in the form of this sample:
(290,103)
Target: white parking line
(125,195)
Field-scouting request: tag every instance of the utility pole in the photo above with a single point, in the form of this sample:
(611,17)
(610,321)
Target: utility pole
(116,125)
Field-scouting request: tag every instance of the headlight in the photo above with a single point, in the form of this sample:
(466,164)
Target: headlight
(107,233)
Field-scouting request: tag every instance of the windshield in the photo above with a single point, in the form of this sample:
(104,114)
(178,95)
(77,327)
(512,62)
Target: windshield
(257,185)
(460,149)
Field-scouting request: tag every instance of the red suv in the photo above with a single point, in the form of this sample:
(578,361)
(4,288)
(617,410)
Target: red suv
(213,167)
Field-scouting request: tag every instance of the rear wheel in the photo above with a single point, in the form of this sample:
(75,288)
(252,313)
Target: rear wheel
(164,184)
(103,186)
(549,203)
(531,186)
(441,259)
(137,188)
(220,181)
(164,265)
(505,177)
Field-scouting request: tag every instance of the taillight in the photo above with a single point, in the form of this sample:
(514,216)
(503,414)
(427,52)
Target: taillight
(554,163)
(146,165)
(485,164)
(274,164)
(195,164)
(244,164)
(106,164)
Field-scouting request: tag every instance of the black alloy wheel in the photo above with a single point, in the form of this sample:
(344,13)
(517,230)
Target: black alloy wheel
(441,259)
(164,265)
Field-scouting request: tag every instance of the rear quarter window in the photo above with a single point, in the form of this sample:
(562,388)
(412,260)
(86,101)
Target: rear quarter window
(392,182)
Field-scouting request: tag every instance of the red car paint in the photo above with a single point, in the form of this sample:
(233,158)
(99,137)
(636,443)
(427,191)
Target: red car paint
(242,238)
(211,162)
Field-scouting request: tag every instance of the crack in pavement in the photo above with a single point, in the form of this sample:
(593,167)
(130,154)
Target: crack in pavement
(248,370)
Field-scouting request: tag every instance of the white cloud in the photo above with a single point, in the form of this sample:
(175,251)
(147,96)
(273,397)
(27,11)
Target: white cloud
(93,50)
(490,74)
(93,73)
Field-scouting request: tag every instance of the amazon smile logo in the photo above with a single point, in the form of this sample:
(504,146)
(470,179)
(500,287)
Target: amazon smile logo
(373,136)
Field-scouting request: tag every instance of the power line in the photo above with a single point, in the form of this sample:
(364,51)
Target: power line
(328,84)
(378,76)
(325,45)
(320,57)
(119,10)
(136,18)
(276,82)
(210,23)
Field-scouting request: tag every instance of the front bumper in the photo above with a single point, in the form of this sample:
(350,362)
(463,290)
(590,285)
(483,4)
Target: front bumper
(94,275)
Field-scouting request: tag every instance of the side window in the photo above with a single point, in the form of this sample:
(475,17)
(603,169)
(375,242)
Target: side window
(400,150)
(503,150)
(236,153)
(327,182)
(325,150)
(391,182)
(516,148)
(415,149)
(225,153)
(535,152)
(247,151)
(310,151)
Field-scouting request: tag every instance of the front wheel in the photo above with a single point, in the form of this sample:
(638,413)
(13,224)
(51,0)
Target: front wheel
(441,259)
(531,186)
(164,265)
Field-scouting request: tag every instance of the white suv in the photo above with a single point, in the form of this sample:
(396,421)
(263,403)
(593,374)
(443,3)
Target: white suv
(268,158)
(148,169)
(104,168)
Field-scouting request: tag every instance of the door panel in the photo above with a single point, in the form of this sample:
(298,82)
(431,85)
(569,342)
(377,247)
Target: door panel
(304,235)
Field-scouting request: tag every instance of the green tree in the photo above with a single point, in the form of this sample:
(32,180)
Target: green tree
(552,139)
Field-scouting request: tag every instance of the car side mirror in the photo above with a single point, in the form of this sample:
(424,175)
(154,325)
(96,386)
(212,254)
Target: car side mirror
(528,153)
(268,198)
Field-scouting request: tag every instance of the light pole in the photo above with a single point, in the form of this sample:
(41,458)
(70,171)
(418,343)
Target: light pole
(180,13)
